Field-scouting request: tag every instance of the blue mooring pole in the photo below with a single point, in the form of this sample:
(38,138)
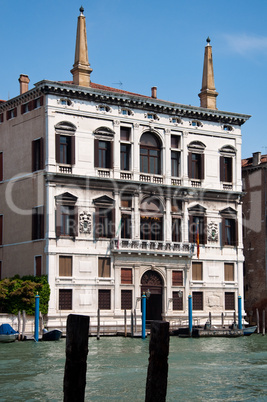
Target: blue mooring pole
(190,316)
(36,322)
(239,312)
(143,316)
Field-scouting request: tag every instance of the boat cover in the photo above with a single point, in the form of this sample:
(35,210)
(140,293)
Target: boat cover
(6,329)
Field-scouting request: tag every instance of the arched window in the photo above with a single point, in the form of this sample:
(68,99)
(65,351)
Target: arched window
(151,220)
(150,160)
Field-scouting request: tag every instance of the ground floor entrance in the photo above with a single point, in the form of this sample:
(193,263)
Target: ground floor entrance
(152,285)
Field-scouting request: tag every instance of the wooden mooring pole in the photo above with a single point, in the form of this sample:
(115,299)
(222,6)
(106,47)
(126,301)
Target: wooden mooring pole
(258,321)
(263,322)
(222,320)
(24,319)
(98,324)
(125,323)
(76,356)
(157,372)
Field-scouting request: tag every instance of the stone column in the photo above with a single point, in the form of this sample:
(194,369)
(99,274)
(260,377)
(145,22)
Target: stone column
(168,221)
(136,229)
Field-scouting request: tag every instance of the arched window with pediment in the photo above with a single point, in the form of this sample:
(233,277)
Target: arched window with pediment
(150,154)
(151,220)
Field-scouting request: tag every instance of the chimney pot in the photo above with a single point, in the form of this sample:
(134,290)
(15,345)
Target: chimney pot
(256,158)
(24,83)
(154,92)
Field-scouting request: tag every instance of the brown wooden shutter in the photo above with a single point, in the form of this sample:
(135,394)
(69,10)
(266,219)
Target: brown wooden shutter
(22,109)
(58,221)
(33,155)
(202,167)
(38,266)
(197,273)
(223,232)
(15,112)
(58,148)
(1,230)
(72,150)
(65,266)
(222,168)
(41,153)
(41,212)
(126,276)
(96,153)
(111,155)
(31,105)
(191,229)
(113,228)
(190,164)
(34,223)
(1,166)
(97,222)
(177,278)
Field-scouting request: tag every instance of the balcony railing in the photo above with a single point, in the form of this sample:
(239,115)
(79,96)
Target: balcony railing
(151,247)
(151,178)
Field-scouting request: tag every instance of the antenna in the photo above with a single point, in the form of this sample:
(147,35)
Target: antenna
(118,83)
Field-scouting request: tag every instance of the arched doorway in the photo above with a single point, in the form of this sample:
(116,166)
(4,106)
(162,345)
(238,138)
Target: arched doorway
(152,281)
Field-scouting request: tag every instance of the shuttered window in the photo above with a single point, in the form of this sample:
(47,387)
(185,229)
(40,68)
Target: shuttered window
(197,300)
(197,274)
(126,300)
(177,278)
(229,272)
(65,299)
(38,265)
(65,265)
(37,154)
(177,302)
(104,299)
(126,276)
(104,267)
(0,270)
(1,230)
(229,298)
(38,223)
(1,166)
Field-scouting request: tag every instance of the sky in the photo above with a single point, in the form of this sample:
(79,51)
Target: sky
(134,45)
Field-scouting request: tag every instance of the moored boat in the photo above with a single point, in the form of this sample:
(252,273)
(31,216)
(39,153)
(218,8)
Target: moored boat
(249,330)
(7,333)
(53,335)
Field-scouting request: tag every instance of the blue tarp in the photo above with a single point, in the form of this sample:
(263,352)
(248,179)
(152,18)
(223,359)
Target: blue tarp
(6,329)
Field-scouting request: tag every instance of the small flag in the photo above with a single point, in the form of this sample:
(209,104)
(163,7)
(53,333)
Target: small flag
(198,240)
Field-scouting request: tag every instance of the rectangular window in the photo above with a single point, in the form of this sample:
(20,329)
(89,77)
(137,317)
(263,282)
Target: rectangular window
(38,102)
(38,223)
(196,166)
(197,299)
(104,299)
(175,141)
(104,267)
(175,164)
(126,300)
(226,169)
(67,221)
(229,272)
(1,230)
(37,154)
(26,107)
(10,114)
(105,218)
(177,278)
(65,299)
(103,154)
(65,149)
(38,265)
(125,133)
(197,227)
(176,230)
(151,228)
(197,271)
(65,265)
(229,232)
(1,117)
(126,230)
(126,201)
(177,301)
(125,156)
(126,276)
(229,298)
(1,166)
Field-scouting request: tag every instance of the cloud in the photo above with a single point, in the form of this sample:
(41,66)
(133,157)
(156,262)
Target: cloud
(245,44)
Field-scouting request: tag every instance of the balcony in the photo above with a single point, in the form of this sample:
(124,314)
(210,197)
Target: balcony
(151,178)
(162,248)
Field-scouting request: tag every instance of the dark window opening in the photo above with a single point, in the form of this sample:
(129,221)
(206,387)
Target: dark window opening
(104,299)
(65,299)
(126,300)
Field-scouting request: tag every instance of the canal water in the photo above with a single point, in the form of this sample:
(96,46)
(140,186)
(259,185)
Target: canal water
(216,369)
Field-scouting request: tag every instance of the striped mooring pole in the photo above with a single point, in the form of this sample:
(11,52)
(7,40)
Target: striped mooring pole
(239,312)
(36,322)
(190,315)
(143,316)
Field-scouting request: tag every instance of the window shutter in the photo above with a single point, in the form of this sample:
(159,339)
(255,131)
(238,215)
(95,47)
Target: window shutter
(96,153)
(58,148)
(58,221)
(15,112)
(177,278)
(113,229)
(41,100)
(97,223)
(223,232)
(33,156)
(202,167)
(41,212)
(72,150)
(111,155)
(1,230)
(75,221)
(126,276)
(222,168)
(31,105)
(34,221)
(41,153)
(205,230)
(22,109)
(190,164)
(1,166)
(191,229)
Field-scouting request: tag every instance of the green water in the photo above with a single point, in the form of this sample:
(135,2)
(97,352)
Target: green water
(216,369)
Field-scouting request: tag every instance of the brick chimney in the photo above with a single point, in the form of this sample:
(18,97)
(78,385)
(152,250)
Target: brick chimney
(24,83)
(154,92)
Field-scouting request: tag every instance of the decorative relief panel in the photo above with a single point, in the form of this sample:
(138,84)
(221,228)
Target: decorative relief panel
(85,222)
(212,231)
